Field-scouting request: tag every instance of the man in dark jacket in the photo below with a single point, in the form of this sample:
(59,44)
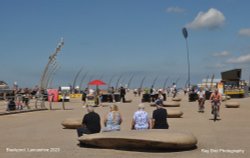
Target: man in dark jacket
(122,94)
(159,119)
(90,123)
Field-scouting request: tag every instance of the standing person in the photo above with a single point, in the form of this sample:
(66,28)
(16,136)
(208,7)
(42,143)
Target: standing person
(159,120)
(84,95)
(216,100)
(113,119)
(135,92)
(168,91)
(122,94)
(112,94)
(19,102)
(185,91)
(90,123)
(26,98)
(174,90)
(139,91)
(201,99)
(140,119)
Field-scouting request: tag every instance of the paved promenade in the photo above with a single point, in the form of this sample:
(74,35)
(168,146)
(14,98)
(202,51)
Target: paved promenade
(40,134)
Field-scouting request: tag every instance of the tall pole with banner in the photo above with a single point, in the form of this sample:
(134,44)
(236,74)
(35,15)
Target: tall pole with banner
(185,34)
(46,71)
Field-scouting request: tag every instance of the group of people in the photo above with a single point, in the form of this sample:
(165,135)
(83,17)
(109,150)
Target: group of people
(113,120)
(215,99)
(18,102)
(141,120)
(88,94)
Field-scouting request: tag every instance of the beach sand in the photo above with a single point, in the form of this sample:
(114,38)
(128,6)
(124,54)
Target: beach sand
(40,134)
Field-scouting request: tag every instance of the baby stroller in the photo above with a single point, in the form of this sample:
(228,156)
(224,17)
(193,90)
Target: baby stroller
(91,100)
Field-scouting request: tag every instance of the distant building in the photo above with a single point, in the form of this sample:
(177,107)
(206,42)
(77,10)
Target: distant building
(209,83)
(3,85)
(4,90)
(233,85)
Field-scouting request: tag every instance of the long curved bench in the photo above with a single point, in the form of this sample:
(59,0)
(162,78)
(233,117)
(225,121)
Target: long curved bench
(230,104)
(169,104)
(176,99)
(174,113)
(129,101)
(72,123)
(141,139)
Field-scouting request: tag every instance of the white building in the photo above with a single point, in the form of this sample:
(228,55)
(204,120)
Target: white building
(209,83)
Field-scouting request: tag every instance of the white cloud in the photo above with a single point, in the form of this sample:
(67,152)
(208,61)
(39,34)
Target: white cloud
(217,66)
(211,19)
(175,10)
(245,32)
(240,59)
(221,54)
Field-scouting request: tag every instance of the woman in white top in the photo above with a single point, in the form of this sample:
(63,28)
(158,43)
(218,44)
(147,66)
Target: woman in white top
(201,100)
(113,120)
(140,119)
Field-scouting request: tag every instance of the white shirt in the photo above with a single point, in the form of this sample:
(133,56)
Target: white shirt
(141,119)
(201,94)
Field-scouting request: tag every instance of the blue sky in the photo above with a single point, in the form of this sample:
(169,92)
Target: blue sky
(114,37)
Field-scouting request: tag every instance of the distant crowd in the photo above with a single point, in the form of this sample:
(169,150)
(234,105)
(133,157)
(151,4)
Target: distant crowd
(20,98)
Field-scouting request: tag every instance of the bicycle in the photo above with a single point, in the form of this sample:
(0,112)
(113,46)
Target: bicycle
(201,103)
(215,109)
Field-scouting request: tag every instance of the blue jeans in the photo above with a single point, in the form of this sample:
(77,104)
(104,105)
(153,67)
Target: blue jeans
(82,130)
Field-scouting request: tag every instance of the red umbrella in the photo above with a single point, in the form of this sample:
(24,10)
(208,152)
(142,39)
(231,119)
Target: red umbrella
(97,82)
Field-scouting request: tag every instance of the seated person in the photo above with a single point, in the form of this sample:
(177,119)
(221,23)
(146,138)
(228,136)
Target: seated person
(113,120)
(90,123)
(140,119)
(11,105)
(159,120)
(159,99)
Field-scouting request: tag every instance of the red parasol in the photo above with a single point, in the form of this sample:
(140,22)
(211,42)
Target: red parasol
(97,82)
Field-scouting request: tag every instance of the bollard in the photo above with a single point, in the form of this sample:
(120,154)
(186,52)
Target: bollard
(42,102)
(50,104)
(63,101)
(50,101)
(36,103)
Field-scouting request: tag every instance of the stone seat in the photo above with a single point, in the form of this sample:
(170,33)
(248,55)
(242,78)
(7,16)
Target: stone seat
(174,113)
(176,99)
(72,123)
(153,139)
(230,104)
(169,104)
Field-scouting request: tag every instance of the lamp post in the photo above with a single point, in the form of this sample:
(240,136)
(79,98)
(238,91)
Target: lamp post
(117,82)
(82,79)
(46,72)
(165,83)
(110,80)
(50,74)
(52,59)
(75,79)
(130,80)
(185,34)
(50,81)
(142,81)
(153,84)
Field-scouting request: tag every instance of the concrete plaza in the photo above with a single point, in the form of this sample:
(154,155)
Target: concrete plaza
(40,134)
